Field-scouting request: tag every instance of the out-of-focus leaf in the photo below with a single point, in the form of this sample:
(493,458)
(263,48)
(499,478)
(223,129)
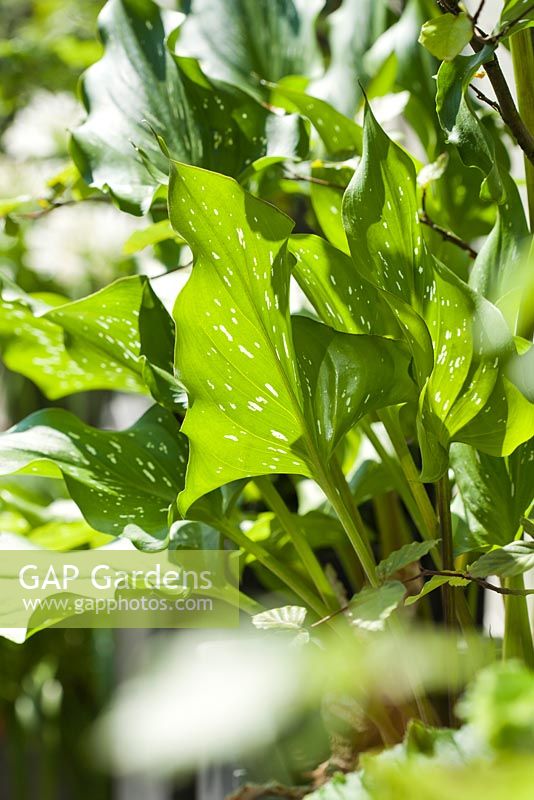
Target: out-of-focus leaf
(434,583)
(404,556)
(124,483)
(370,608)
(446,36)
(285,618)
(518,12)
(244,42)
(512,559)
(153,234)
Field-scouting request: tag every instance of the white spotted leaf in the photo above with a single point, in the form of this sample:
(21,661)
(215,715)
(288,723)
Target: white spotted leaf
(254,408)
(125,482)
(120,338)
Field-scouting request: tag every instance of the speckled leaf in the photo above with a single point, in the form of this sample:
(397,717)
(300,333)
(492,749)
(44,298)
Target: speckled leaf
(263,39)
(138,91)
(120,338)
(343,298)
(249,413)
(340,136)
(124,483)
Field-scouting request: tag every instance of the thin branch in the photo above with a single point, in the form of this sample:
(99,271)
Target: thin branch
(507,106)
(53,206)
(292,176)
(485,99)
(448,236)
(478,12)
(485,584)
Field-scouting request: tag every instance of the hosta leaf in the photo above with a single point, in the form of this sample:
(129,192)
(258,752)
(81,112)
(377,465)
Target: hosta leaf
(460,122)
(124,483)
(446,36)
(138,91)
(285,618)
(381,220)
(254,408)
(520,12)
(404,556)
(499,267)
(341,296)
(505,562)
(263,39)
(370,608)
(327,199)
(341,136)
(120,338)
(506,422)
(353,28)
(496,492)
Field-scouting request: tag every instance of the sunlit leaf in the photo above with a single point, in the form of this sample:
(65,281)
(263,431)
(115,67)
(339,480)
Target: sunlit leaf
(124,483)
(505,562)
(446,36)
(259,404)
(370,608)
(285,618)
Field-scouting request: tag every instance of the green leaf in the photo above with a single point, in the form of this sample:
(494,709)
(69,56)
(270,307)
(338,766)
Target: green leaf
(446,36)
(515,558)
(404,556)
(142,101)
(263,39)
(460,122)
(153,234)
(500,268)
(434,583)
(254,408)
(344,299)
(496,492)
(520,12)
(342,138)
(370,608)
(124,483)
(285,618)
(120,338)
(327,199)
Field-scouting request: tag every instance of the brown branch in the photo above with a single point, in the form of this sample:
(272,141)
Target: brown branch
(448,236)
(485,99)
(507,106)
(478,12)
(254,792)
(52,206)
(292,176)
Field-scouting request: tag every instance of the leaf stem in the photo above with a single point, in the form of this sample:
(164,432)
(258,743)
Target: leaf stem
(335,486)
(517,642)
(290,524)
(443,499)
(291,579)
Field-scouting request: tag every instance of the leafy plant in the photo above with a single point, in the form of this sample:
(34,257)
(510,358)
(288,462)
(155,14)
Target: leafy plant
(362,446)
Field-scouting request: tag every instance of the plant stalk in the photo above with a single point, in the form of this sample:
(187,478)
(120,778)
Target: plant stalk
(522,48)
(517,641)
(443,499)
(335,486)
(289,523)
(290,578)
